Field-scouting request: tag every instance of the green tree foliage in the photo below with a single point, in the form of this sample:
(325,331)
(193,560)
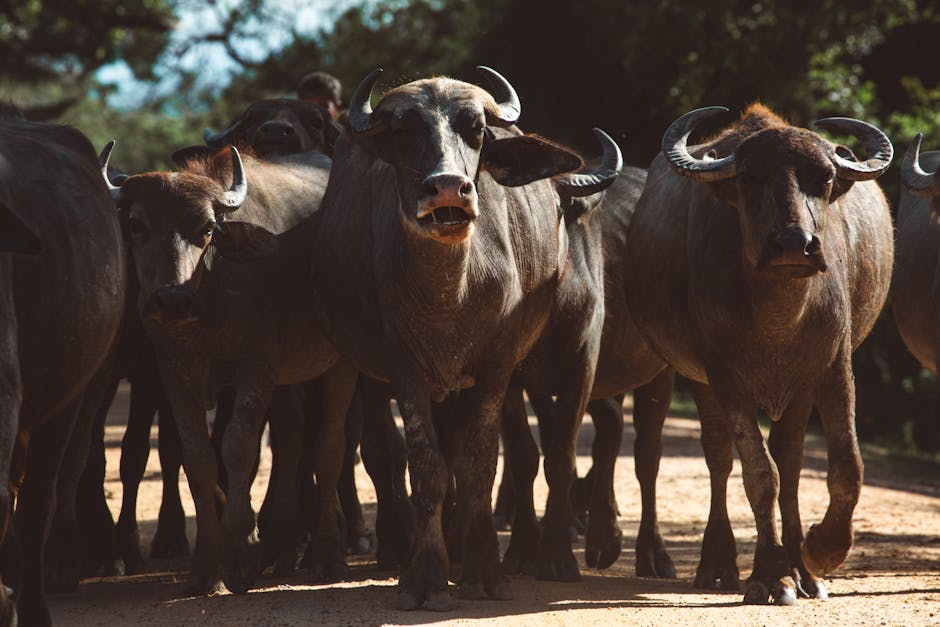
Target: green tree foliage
(54,46)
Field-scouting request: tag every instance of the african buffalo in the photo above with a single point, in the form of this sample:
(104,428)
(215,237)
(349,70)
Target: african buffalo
(625,363)
(760,261)
(278,126)
(560,364)
(226,304)
(64,301)
(435,264)
(914,285)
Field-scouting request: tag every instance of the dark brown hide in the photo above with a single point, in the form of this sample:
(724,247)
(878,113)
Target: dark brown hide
(431,274)
(66,301)
(759,286)
(915,286)
(226,303)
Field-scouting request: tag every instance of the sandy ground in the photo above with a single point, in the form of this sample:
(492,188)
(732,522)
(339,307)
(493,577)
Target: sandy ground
(892,576)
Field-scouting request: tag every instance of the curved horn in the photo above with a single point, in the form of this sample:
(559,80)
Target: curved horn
(587,183)
(103,159)
(877,145)
(677,152)
(217,140)
(505,96)
(361,120)
(913,176)
(235,195)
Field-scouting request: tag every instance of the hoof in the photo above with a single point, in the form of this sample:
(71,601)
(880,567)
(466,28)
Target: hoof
(472,591)
(201,585)
(521,558)
(439,602)
(756,593)
(558,565)
(501,590)
(603,555)
(785,593)
(655,562)
(714,577)
(164,546)
(361,545)
(407,601)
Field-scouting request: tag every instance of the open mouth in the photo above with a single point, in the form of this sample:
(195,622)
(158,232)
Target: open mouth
(446,216)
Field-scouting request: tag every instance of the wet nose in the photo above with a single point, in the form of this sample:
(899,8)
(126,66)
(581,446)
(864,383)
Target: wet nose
(793,242)
(174,300)
(276,128)
(454,189)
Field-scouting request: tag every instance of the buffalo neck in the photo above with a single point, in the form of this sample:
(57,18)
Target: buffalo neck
(435,273)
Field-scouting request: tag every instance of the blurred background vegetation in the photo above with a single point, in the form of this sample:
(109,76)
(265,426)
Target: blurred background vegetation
(153,73)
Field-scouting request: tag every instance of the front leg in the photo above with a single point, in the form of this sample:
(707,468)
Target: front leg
(424,581)
(520,467)
(240,552)
(718,562)
(827,544)
(650,405)
(770,578)
(475,454)
(201,469)
(337,387)
(603,539)
(786,446)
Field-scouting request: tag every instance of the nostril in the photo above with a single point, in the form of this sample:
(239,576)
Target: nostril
(813,246)
(466,189)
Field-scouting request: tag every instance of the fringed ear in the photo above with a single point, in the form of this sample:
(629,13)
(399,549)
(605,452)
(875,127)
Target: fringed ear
(15,236)
(515,161)
(243,241)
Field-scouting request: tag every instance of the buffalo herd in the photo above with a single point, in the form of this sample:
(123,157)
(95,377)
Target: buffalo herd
(299,273)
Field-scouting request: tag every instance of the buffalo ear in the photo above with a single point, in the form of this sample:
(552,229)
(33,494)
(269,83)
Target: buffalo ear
(184,155)
(330,135)
(243,241)
(515,161)
(15,236)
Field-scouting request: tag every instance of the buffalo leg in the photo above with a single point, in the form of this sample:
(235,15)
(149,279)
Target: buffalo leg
(337,388)
(476,449)
(424,581)
(359,539)
(828,543)
(135,449)
(786,446)
(556,560)
(35,508)
(278,523)
(170,537)
(95,523)
(770,579)
(520,466)
(64,546)
(650,404)
(202,474)
(718,562)
(603,538)
(384,457)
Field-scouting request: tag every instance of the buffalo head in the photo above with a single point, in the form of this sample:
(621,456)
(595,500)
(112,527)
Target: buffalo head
(170,219)
(438,134)
(781,180)
(278,126)
(916,180)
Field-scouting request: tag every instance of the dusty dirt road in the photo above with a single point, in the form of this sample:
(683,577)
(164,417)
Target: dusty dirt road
(892,576)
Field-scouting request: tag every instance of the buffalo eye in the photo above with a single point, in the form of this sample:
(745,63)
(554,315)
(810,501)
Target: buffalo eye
(207,229)
(137,228)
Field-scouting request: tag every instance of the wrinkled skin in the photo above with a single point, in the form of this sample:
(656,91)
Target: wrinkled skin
(454,276)
(725,300)
(50,184)
(625,363)
(199,295)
